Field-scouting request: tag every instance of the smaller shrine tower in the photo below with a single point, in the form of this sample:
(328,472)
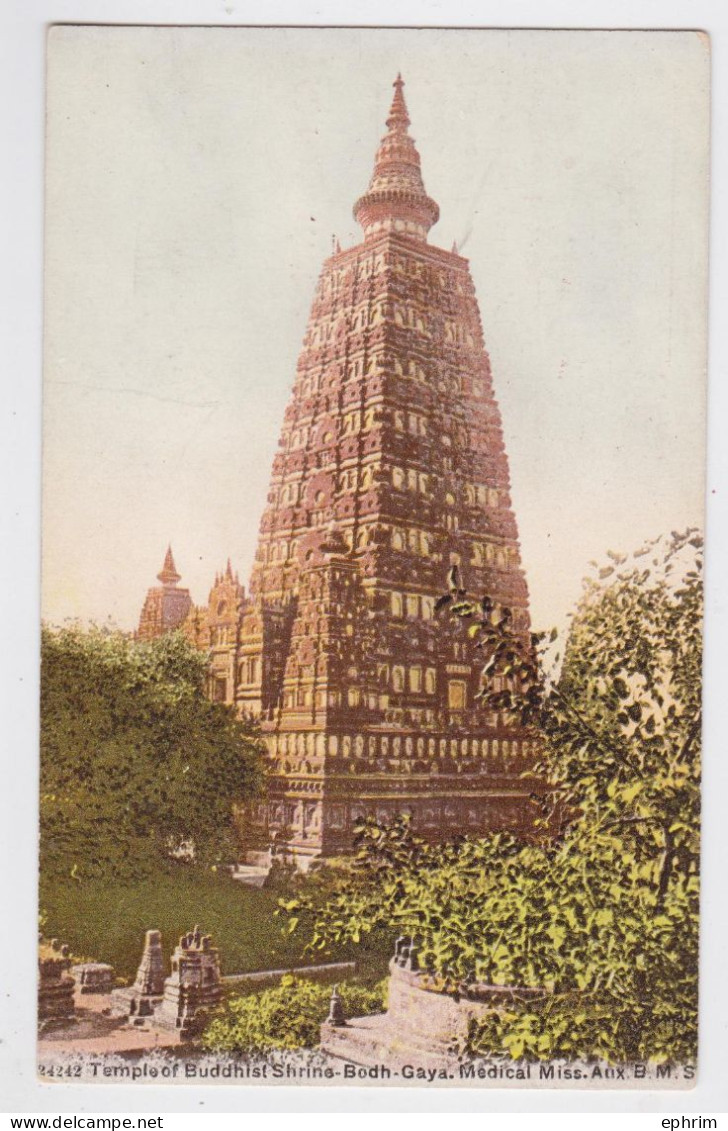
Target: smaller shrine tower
(166,606)
(215,629)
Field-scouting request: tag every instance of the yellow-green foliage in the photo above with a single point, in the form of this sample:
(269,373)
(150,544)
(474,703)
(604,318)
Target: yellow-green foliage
(286,1017)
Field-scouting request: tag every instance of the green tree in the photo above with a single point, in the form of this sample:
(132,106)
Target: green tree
(603,916)
(135,760)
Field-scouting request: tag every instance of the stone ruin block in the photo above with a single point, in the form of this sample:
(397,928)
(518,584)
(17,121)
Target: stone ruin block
(406,954)
(193,987)
(138,1001)
(94,977)
(55,986)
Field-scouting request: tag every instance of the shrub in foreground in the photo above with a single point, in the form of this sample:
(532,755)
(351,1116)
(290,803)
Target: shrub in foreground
(289,1016)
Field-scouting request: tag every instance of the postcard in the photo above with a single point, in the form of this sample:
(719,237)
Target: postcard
(374,415)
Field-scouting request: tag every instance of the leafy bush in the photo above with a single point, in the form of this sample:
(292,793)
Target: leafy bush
(135,759)
(288,1016)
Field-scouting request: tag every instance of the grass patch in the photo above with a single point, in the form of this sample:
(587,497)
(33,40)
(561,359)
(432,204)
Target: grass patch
(105,921)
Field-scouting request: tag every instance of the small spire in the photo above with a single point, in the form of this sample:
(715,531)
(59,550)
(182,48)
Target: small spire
(398,117)
(229,571)
(168,574)
(454,248)
(336,1017)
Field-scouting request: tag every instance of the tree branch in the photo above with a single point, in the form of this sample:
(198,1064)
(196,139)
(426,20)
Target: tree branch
(665,869)
(619,754)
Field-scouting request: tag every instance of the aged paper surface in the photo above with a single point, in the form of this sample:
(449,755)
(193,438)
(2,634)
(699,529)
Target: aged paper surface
(367,786)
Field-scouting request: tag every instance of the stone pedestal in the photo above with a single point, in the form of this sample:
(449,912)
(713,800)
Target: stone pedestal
(139,1000)
(55,986)
(94,977)
(193,988)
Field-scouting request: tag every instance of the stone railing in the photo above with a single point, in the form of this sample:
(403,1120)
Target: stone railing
(418,1005)
(423,1024)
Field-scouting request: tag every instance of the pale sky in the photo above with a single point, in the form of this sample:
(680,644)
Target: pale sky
(194,180)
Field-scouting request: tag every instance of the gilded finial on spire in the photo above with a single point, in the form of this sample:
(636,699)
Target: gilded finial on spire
(168,574)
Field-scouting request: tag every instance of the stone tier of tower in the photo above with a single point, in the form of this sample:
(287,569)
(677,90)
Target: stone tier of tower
(391,468)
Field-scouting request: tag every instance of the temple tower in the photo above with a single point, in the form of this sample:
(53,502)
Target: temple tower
(166,606)
(390,469)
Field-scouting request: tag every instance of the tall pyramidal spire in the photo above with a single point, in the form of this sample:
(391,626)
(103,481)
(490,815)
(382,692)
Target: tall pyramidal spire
(390,471)
(396,199)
